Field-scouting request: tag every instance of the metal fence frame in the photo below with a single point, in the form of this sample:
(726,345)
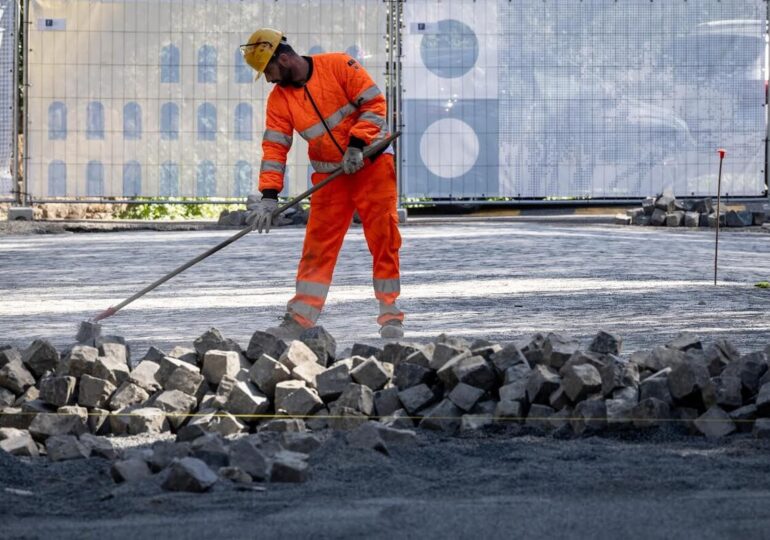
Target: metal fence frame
(394,92)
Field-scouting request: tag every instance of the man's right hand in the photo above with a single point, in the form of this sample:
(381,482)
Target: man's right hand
(260,214)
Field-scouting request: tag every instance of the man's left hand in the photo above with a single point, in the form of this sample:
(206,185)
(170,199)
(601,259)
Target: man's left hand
(353,160)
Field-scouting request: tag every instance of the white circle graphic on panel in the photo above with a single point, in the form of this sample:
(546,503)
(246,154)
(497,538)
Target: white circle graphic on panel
(449,148)
(451,50)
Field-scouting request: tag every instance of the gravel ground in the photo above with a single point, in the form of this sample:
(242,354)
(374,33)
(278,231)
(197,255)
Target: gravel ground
(505,485)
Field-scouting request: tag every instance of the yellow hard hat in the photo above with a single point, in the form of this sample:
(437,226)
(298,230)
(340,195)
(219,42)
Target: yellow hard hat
(260,48)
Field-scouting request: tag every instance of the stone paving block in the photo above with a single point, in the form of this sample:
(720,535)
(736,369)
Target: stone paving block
(267,372)
(542,382)
(217,364)
(153,354)
(666,202)
(189,474)
(485,349)
(446,374)
(628,393)
(305,443)
(115,351)
(516,373)
(322,343)
(212,449)
(12,417)
(642,220)
(130,470)
(422,356)
(81,361)
(264,343)
(30,394)
(224,424)
(470,423)
(9,354)
(589,416)
(372,374)
(606,343)
(235,475)
(507,358)
(619,414)
(284,425)
(246,399)
(763,400)
(691,219)
(395,353)
(508,412)
(15,377)
(715,423)
(687,383)
(396,436)
(332,382)
(684,342)
(144,376)
(400,419)
(658,217)
(302,402)
(557,349)
(727,392)
(289,467)
(186,355)
(386,401)
(744,417)
(127,394)
(761,428)
(7,398)
(739,218)
(39,357)
(465,396)
(703,206)
(357,397)
(250,459)
(656,387)
(749,368)
(167,366)
(580,358)
(213,340)
(187,379)
(58,391)
(443,417)
(19,443)
(66,447)
(618,373)
(37,406)
(308,373)
(147,420)
(111,369)
(99,421)
(177,404)
(559,399)
(674,219)
(46,425)
(344,418)
(580,381)
(712,219)
(297,354)
(407,375)
(94,392)
(663,357)
(475,371)
(650,412)
(99,446)
(367,437)
(284,389)
(365,351)
(443,353)
(416,398)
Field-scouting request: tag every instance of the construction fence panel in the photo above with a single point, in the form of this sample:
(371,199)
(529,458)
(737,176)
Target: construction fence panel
(152,98)
(582,98)
(9,24)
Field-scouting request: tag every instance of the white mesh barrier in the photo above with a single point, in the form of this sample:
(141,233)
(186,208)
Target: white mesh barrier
(583,98)
(147,98)
(8,29)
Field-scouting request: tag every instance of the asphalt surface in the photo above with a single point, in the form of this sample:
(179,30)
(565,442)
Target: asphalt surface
(499,281)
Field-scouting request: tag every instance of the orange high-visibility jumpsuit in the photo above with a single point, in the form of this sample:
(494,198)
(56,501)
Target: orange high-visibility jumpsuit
(351,106)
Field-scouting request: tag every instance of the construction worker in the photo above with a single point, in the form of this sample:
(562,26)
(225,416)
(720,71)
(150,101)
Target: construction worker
(333,103)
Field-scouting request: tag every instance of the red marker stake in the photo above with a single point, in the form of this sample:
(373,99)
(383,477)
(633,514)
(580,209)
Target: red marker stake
(719,200)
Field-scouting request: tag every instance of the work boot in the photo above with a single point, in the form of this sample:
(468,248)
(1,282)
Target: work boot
(392,329)
(288,330)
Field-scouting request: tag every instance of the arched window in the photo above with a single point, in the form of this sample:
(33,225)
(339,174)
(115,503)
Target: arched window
(57,121)
(132,179)
(95,120)
(207,122)
(132,121)
(94,179)
(315,49)
(57,179)
(207,64)
(206,185)
(169,121)
(243,73)
(242,180)
(169,180)
(355,52)
(243,115)
(169,64)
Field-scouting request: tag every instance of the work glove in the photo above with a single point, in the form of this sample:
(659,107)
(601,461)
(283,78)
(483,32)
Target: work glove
(260,214)
(353,160)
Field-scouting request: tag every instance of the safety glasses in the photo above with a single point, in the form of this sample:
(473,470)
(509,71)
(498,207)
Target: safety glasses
(249,47)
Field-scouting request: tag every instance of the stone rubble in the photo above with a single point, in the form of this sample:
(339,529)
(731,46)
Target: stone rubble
(256,417)
(667,211)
